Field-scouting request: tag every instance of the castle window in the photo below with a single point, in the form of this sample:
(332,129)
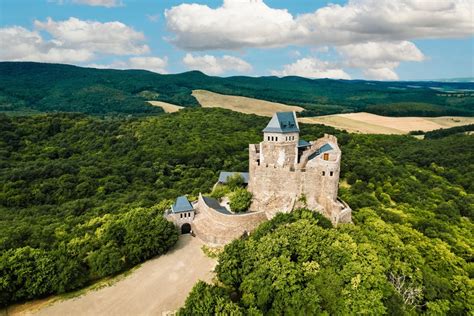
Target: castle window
(331,173)
(324,173)
(268,138)
(180,215)
(272,138)
(276,138)
(326,156)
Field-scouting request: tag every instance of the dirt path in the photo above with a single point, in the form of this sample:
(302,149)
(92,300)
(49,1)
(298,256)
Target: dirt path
(158,286)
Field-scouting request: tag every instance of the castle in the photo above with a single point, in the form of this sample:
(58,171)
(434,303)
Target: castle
(285,172)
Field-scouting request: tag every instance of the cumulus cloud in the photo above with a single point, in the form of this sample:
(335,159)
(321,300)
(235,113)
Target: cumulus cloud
(21,44)
(251,23)
(155,64)
(110,37)
(236,24)
(380,74)
(382,20)
(381,29)
(312,68)
(72,41)
(379,59)
(380,54)
(216,65)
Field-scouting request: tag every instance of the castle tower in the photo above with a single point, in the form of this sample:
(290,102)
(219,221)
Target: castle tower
(280,138)
(285,170)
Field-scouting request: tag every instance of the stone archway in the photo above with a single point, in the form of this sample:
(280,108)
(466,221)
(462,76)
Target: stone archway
(185,228)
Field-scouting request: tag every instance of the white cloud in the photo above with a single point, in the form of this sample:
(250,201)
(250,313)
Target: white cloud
(251,23)
(312,68)
(380,74)
(155,64)
(236,24)
(214,65)
(378,60)
(383,29)
(21,44)
(94,3)
(110,37)
(101,3)
(380,54)
(72,41)
(385,20)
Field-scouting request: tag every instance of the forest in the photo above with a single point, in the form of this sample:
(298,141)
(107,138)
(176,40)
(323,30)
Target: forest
(28,88)
(409,251)
(82,198)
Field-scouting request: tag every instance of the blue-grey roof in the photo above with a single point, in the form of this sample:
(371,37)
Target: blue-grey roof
(322,149)
(303,143)
(224,175)
(181,205)
(282,122)
(214,204)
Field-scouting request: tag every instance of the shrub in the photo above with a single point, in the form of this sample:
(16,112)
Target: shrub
(240,200)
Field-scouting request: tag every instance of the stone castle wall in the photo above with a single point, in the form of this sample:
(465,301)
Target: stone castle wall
(216,228)
(277,188)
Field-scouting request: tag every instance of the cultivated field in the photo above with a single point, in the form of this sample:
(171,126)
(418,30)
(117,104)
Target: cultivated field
(376,124)
(246,105)
(361,122)
(167,107)
(160,285)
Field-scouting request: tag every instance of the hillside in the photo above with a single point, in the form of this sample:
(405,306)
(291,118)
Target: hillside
(27,87)
(80,194)
(368,123)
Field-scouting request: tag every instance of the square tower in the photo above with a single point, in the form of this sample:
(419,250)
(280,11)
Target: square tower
(280,141)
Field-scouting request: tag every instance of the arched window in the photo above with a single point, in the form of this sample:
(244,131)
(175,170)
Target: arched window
(331,173)
(276,139)
(324,173)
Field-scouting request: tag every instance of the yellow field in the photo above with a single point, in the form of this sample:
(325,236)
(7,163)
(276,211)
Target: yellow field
(246,105)
(361,122)
(167,107)
(376,124)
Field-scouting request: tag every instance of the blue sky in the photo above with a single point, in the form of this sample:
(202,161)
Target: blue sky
(360,39)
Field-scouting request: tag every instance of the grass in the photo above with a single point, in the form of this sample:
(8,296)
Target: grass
(212,252)
(167,107)
(368,123)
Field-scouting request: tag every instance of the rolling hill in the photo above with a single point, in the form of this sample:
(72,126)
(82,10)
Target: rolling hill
(27,87)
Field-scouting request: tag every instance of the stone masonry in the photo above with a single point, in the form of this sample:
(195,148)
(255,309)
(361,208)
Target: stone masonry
(285,171)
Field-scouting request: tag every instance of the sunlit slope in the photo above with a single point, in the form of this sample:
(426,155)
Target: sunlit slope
(368,123)
(246,105)
(167,107)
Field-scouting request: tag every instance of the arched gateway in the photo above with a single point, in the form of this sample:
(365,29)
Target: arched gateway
(185,228)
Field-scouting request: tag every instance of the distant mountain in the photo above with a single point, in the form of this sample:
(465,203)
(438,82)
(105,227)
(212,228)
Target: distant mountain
(466,79)
(38,87)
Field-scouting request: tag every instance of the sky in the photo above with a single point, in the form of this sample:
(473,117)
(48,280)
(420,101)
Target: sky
(340,39)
